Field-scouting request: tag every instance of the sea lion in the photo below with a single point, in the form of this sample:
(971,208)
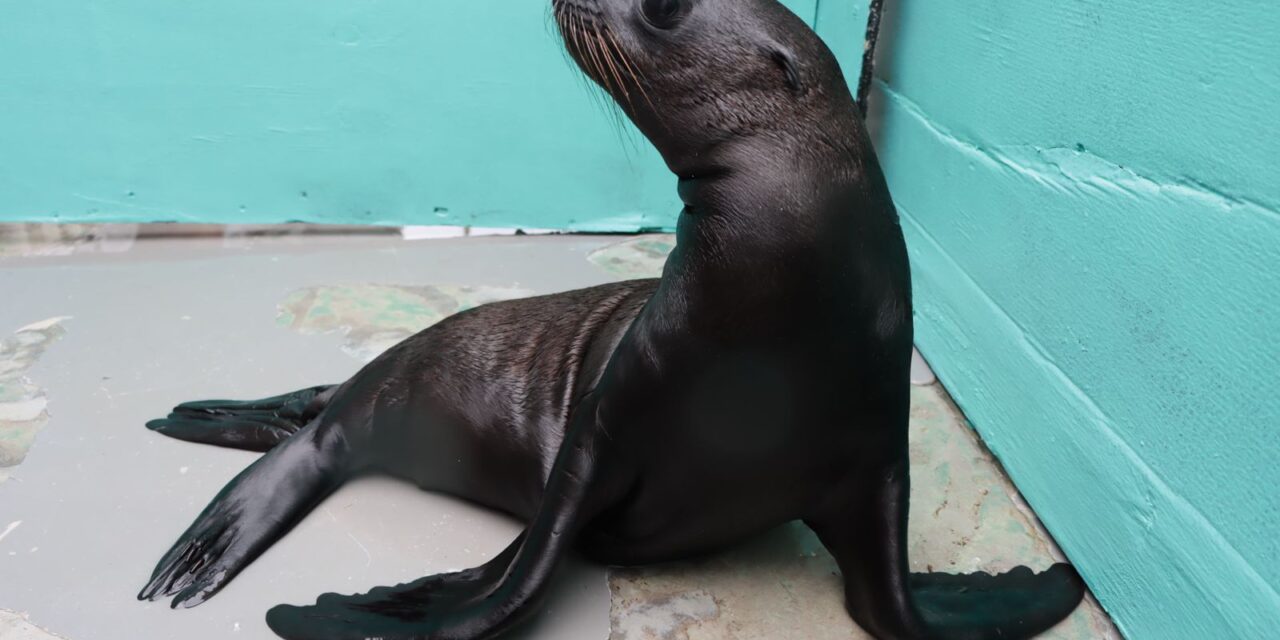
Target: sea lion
(763,378)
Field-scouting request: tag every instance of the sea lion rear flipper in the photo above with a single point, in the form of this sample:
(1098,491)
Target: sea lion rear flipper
(867,535)
(1017,604)
(254,425)
(478,602)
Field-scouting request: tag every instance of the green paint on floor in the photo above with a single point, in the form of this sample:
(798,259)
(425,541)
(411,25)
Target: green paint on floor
(374,317)
(639,257)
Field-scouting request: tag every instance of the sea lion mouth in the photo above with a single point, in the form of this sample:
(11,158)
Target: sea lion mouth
(598,52)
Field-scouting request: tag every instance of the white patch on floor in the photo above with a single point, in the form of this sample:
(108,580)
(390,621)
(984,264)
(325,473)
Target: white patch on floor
(16,626)
(23,405)
(667,617)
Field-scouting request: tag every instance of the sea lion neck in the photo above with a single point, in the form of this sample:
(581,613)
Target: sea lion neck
(754,179)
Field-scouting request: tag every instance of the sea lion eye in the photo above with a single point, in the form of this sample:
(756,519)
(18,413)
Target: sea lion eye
(663,14)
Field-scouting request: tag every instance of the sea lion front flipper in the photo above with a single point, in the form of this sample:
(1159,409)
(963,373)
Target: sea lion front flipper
(866,532)
(479,602)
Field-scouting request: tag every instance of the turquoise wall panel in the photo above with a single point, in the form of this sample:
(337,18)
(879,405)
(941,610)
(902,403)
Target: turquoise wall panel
(1090,195)
(351,111)
(843,26)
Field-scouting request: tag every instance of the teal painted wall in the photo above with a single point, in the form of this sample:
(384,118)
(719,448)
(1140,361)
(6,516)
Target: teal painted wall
(1091,195)
(345,111)
(843,26)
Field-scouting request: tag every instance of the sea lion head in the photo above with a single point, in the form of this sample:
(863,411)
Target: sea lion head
(693,74)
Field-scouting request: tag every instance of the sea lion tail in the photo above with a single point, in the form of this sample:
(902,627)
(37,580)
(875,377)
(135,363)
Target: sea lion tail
(253,425)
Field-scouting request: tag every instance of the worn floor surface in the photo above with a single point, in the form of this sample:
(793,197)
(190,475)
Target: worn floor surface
(100,331)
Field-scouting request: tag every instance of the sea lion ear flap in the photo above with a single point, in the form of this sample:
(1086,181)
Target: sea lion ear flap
(786,62)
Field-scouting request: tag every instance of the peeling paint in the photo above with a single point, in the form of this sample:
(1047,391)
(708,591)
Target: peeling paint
(26,240)
(16,626)
(43,240)
(639,257)
(374,317)
(23,404)
(665,617)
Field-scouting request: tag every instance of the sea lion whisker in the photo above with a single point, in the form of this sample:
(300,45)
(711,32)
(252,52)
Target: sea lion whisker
(615,63)
(572,28)
(633,71)
(574,25)
(566,34)
(598,70)
(597,65)
(623,58)
(608,55)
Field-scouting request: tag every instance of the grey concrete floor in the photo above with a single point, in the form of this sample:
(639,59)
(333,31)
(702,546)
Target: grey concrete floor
(102,330)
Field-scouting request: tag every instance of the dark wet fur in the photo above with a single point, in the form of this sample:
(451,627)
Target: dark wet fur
(763,379)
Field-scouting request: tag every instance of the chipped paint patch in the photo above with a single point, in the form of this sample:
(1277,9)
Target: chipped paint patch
(965,516)
(23,405)
(667,617)
(780,585)
(639,257)
(27,240)
(375,317)
(16,626)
